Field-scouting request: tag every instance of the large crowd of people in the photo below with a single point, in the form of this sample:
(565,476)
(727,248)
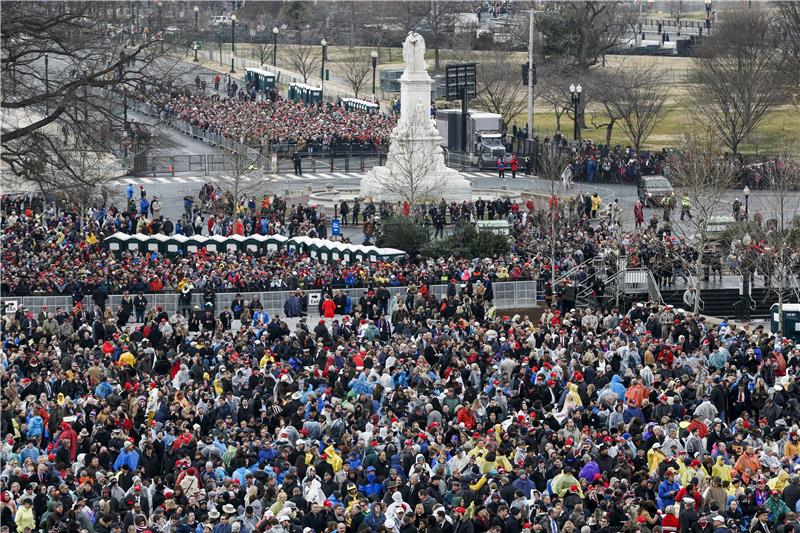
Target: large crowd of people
(386,414)
(280,121)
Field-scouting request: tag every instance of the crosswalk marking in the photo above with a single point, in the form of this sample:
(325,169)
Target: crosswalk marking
(287,177)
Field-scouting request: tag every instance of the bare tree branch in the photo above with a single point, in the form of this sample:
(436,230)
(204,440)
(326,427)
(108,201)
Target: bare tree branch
(305,60)
(700,170)
(355,69)
(740,76)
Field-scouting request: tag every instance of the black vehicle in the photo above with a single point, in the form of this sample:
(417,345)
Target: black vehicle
(652,189)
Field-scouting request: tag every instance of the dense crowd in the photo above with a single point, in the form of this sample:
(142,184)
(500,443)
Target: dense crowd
(276,120)
(594,162)
(388,413)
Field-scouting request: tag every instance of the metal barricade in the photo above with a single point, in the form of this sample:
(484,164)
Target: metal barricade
(507,294)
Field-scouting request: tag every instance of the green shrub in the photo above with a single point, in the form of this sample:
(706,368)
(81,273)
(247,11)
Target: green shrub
(467,241)
(403,233)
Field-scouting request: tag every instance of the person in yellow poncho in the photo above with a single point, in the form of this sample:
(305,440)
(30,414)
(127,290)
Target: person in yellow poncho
(654,458)
(563,481)
(779,482)
(333,458)
(127,358)
(91,239)
(695,470)
(721,470)
(573,395)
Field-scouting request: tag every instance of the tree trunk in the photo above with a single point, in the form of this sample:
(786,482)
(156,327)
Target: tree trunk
(698,265)
(609,129)
(436,60)
(781,273)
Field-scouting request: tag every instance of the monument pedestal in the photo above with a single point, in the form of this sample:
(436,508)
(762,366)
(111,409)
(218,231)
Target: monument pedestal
(415,169)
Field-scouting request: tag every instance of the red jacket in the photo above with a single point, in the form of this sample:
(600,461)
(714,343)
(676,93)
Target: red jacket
(328,308)
(514,163)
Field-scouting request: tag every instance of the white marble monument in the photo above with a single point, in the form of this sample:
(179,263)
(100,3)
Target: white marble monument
(415,169)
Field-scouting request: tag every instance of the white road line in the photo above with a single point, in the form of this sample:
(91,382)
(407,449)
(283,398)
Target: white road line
(179,180)
(340,175)
(196,179)
(146,180)
(325,176)
(311,176)
(162,180)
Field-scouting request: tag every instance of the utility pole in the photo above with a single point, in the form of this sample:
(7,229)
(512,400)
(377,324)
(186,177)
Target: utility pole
(530,77)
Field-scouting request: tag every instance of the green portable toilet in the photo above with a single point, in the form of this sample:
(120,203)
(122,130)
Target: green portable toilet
(791,320)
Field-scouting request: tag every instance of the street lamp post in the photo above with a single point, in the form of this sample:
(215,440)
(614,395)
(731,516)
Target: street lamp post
(324,45)
(275,32)
(46,84)
(575,91)
(233,41)
(161,25)
(196,31)
(746,202)
(374,56)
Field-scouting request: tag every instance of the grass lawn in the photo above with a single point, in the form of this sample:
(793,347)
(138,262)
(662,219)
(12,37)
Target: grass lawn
(778,129)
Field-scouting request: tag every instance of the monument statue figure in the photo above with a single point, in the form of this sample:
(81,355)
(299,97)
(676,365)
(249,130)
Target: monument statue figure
(414,53)
(415,169)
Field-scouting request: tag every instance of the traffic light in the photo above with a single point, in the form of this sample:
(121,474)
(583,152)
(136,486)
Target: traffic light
(525,74)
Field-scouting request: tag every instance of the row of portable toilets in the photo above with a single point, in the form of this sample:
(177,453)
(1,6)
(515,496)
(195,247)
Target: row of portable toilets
(174,245)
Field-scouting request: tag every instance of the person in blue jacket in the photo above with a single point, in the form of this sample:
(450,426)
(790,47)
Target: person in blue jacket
(128,456)
(667,490)
(372,489)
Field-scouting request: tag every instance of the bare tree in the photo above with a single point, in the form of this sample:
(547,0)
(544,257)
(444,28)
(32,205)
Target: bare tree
(262,52)
(780,234)
(699,169)
(62,70)
(305,60)
(411,162)
(551,161)
(242,179)
(740,76)
(354,69)
(789,17)
(583,32)
(677,11)
(553,88)
(605,88)
(638,101)
(498,88)
(440,19)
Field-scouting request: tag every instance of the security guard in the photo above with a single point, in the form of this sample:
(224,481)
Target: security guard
(686,205)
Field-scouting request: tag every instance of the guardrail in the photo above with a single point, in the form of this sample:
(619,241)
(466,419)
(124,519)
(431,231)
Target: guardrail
(507,294)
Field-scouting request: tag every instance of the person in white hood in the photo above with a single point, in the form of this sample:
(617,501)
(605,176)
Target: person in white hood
(312,487)
(397,509)
(420,467)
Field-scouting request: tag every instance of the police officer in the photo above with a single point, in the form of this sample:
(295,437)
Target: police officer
(297,160)
(686,205)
